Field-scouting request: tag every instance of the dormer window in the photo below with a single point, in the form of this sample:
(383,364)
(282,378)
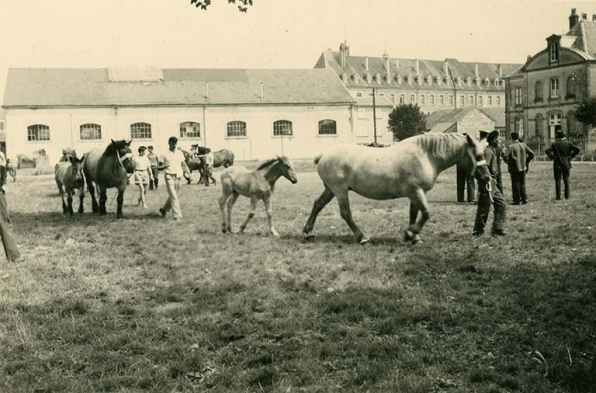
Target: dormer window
(378,78)
(368,78)
(344,77)
(438,80)
(398,79)
(469,81)
(487,82)
(429,80)
(388,79)
(496,82)
(553,48)
(477,81)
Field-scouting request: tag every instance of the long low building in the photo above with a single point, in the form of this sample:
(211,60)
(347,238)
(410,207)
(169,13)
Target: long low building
(255,113)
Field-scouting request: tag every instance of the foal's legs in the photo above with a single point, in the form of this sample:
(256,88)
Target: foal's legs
(81,197)
(269,210)
(61,191)
(230,206)
(320,203)
(251,214)
(346,214)
(418,203)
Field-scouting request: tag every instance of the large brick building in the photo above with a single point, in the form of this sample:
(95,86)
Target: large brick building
(543,94)
(432,84)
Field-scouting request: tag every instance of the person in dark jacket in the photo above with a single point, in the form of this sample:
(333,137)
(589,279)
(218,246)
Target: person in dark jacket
(561,151)
(489,193)
(518,159)
(465,183)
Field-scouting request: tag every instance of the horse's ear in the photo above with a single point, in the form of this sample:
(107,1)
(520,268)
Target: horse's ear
(470,140)
(71,159)
(129,142)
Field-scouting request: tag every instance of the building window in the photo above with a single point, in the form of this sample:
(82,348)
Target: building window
(539,126)
(140,131)
(358,94)
(519,126)
(490,100)
(538,92)
(392,98)
(402,99)
(554,88)
(90,132)
(363,127)
(479,100)
(432,99)
(327,127)
(441,100)
(570,87)
(1,125)
(471,100)
(571,123)
(412,99)
(236,129)
(554,52)
(450,100)
(190,129)
(498,100)
(422,99)
(282,128)
(554,123)
(462,100)
(38,132)
(519,94)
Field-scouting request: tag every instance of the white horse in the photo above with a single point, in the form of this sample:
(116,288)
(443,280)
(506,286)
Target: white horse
(407,169)
(257,185)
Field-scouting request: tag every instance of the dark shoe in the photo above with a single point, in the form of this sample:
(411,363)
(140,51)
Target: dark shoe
(477,233)
(524,202)
(516,203)
(499,232)
(163,212)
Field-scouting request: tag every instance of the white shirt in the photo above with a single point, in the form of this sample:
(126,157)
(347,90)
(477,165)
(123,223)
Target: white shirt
(142,163)
(172,161)
(2,159)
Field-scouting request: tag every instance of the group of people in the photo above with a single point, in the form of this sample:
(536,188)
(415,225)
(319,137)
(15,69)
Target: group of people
(517,156)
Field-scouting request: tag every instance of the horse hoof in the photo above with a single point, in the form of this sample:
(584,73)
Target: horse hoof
(409,235)
(309,237)
(274,234)
(365,242)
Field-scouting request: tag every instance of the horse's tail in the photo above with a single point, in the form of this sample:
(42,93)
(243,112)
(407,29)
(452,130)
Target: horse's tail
(318,158)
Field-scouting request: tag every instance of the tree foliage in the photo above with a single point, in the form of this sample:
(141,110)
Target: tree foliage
(204,4)
(586,112)
(407,120)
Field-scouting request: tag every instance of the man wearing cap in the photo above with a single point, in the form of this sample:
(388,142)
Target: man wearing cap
(154,167)
(518,159)
(174,169)
(488,193)
(561,151)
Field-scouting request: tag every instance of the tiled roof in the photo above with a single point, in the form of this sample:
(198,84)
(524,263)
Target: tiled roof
(441,128)
(92,87)
(355,68)
(496,114)
(448,116)
(368,102)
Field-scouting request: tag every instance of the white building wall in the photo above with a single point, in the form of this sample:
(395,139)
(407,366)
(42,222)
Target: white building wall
(260,143)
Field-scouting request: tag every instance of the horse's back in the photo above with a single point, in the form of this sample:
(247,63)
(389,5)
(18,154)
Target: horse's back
(237,178)
(91,162)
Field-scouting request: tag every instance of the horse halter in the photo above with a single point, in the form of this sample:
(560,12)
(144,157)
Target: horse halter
(123,158)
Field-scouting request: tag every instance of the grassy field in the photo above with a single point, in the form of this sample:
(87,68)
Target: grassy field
(151,304)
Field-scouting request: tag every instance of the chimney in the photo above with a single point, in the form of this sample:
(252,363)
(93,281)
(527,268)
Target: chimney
(500,70)
(342,54)
(584,16)
(476,70)
(387,63)
(262,91)
(417,67)
(207,90)
(593,17)
(573,19)
(396,63)
(366,63)
(446,67)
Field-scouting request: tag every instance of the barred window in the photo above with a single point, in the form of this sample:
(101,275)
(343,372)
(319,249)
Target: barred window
(327,127)
(190,129)
(38,132)
(282,128)
(236,129)
(140,131)
(90,132)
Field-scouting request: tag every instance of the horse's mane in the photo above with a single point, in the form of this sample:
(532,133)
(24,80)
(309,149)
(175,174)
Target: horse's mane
(441,146)
(271,162)
(114,146)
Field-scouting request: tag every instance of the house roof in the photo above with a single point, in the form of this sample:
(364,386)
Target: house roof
(39,87)
(441,128)
(582,37)
(448,116)
(355,68)
(368,102)
(496,114)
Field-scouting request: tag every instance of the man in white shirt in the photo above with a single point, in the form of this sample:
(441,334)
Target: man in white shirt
(8,240)
(174,169)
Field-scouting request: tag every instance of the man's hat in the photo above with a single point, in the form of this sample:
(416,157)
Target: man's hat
(483,134)
(492,136)
(559,134)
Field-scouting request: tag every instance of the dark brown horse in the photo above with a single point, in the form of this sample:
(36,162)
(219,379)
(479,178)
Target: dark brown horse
(223,157)
(108,168)
(69,177)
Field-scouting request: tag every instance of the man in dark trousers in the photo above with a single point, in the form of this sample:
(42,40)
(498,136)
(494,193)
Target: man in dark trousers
(465,181)
(562,152)
(518,159)
(488,193)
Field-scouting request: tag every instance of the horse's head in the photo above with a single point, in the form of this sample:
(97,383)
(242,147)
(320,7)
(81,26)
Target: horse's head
(124,154)
(77,169)
(473,159)
(286,169)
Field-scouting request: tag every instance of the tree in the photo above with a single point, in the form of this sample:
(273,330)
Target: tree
(586,112)
(204,4)
(406,121)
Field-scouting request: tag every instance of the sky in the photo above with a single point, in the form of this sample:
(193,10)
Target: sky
(273,33)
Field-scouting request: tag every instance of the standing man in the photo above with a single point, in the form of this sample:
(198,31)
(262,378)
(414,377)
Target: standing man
(8,240)
(465,182)
(174,169)
(562,152)
(500,150)
(489,193)
(154,168)
(518,159)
